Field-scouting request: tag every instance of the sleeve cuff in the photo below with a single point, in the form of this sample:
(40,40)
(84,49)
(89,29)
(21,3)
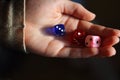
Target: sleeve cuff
(12,24)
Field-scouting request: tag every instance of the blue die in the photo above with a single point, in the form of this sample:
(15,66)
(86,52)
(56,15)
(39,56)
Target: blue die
(59,30)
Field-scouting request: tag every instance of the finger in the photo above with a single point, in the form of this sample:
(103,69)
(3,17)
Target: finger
(110,41)
(77,52)
(70,23)
(94,29)
(107,51)
(77,10)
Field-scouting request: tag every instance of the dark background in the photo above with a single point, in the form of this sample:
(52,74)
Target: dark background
(18,66)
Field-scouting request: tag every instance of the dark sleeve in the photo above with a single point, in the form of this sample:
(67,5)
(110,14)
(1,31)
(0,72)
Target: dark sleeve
(12,24)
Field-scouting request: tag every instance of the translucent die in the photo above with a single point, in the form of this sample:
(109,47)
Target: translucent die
(59,30)
(92,41)
(78,38)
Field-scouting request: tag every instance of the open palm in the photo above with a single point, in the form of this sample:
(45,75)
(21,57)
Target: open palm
(41,14)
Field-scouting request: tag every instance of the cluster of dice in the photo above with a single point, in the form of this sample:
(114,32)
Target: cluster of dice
(79,37)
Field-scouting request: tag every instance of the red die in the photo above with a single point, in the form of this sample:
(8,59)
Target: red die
(78,38)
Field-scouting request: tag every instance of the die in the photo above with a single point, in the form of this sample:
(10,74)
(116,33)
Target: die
(92,41)
(78,38)
(59,30)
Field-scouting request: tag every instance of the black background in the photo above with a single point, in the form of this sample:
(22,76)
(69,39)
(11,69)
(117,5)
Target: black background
(18,66)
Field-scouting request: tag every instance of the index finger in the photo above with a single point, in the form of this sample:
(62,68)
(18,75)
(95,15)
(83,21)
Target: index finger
(76,10)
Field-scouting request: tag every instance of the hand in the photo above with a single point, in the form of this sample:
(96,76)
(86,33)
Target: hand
(44,13)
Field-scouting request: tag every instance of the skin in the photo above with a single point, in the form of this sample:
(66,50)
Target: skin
(41,14)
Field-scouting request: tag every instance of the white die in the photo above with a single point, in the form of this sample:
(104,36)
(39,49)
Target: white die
(93,41)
